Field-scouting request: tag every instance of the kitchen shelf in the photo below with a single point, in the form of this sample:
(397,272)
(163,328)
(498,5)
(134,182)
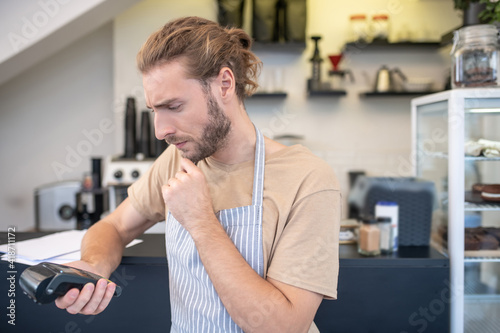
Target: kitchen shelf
(469,256)
(384,45)
(482,259)
(332,93)
(269,95)
(395,94)
(478,207)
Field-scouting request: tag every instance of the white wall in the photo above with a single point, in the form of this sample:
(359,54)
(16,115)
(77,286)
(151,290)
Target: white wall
(44,114)
(371,134)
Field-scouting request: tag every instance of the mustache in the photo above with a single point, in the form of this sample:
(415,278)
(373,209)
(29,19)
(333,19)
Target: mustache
(172,139)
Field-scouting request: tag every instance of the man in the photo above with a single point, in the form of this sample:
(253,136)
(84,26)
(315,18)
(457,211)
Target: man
(251,225)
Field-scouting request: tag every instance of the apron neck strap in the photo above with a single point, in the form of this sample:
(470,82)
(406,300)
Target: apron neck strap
(258,175)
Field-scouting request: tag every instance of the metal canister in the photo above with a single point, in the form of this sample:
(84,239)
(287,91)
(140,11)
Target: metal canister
(389,210)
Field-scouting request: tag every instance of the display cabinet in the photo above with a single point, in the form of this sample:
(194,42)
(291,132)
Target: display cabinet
(456,143)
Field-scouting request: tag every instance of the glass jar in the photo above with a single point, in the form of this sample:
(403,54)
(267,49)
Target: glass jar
(475,57)
(369,238)
(358,29)
(380,27)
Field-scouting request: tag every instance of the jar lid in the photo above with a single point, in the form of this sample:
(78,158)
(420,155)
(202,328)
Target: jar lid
(358,17)
(384,219)
(478,30)
(380,17)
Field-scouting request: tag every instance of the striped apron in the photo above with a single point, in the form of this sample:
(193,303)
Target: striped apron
(195,305)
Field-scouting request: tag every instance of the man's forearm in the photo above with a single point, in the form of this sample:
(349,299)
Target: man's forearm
(102,247)
(253,303)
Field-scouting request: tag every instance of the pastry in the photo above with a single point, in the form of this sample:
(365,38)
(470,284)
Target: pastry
(488,242)
(478,187)
(495,232)
(491,192)
(471,242)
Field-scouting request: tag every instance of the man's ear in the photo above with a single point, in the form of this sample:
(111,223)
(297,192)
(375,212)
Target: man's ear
(227,82)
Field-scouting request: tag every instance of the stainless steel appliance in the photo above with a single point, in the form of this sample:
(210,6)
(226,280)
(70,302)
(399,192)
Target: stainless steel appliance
(55,205)
(119,174)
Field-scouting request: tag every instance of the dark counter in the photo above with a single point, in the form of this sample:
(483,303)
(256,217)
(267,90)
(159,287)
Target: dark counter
(407,291)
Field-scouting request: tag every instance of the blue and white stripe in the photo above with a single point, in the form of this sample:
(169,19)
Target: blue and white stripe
(195,305)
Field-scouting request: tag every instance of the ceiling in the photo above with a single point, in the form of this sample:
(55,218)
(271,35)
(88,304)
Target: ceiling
(35,30)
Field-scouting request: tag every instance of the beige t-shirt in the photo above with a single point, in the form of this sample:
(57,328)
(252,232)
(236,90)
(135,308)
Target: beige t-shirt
(301,210)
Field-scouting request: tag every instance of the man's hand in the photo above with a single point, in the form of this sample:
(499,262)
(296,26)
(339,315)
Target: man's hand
(187,196)
(91,300)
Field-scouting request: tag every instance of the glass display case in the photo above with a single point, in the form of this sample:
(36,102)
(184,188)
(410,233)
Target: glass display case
(456,144)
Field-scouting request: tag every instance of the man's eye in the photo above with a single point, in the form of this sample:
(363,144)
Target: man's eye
(174,107)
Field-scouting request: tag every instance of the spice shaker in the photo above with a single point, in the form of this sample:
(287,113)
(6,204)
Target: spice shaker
(386,240)
(389,209)
(369,238)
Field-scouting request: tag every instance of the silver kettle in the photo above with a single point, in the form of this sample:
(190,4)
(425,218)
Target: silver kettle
(384,81)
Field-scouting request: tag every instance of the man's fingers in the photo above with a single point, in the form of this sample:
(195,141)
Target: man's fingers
(68,299)
(96,299)
(90,300)
(110,291)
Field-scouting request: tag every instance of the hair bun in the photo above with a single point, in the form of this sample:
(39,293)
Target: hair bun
(241,37)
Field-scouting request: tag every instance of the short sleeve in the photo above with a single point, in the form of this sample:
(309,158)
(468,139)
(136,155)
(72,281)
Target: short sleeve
(306,255)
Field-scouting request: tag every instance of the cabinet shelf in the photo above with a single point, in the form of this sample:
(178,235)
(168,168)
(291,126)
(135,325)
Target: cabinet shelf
(470,256)
(466,158)
(482,258)
(478,207)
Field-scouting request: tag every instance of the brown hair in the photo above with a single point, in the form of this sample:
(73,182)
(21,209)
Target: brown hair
(206,48)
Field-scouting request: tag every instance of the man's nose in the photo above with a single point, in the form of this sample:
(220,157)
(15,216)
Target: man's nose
(163,126)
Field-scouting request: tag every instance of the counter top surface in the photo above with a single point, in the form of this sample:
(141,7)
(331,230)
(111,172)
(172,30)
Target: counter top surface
(152,251)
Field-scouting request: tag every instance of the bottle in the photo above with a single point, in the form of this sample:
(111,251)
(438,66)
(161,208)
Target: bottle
(391,210)
(369,238)
(84,222)
(145,135)
(384,224)
(475,57)
(130,129)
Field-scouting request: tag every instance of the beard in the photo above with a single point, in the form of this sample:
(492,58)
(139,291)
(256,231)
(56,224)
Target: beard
(214,134)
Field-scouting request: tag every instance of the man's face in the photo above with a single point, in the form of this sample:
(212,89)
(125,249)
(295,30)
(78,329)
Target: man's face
(187,114)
